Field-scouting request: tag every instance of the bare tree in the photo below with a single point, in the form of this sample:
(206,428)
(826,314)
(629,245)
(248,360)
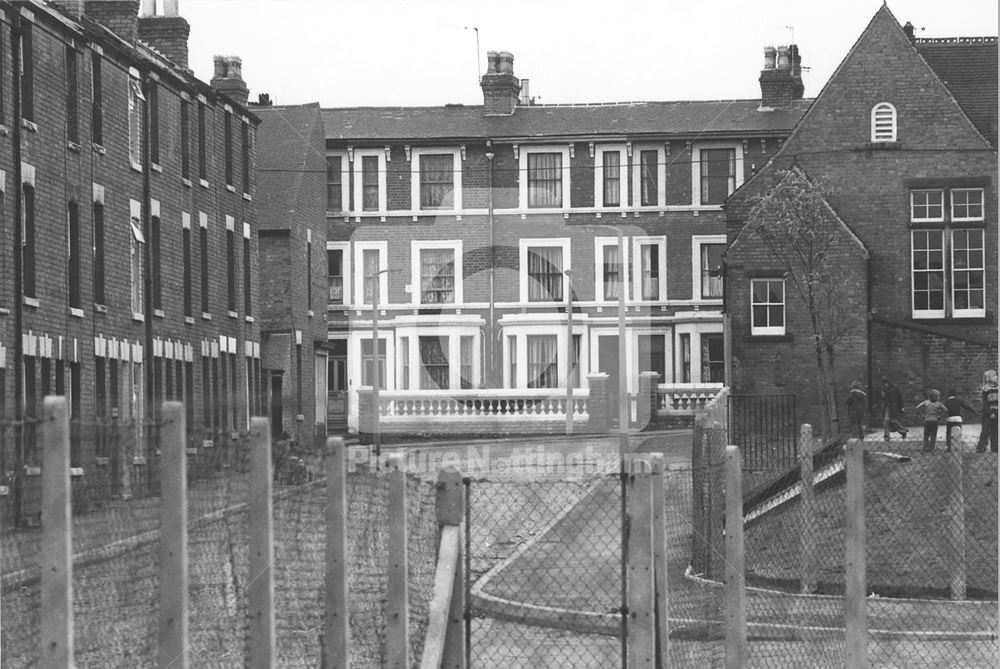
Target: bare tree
(800,229)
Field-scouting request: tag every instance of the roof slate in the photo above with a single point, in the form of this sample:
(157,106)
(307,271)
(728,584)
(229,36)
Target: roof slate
(287,138)
(690,118)
(968,67)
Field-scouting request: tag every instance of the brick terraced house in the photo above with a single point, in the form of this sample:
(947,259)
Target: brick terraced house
(473,226)
(904,134)
(126,186)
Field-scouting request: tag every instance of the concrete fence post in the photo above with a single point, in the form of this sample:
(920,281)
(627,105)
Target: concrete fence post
(260,589)
(597,405)
(336,637)
(450,508)
(647,399)
(366,414)
(956,525)
(173,635)
(855,584)
(807,510)
(736,613)
(640,573)
(661,584)
(55,560)
(716,475)
(953,437)
(397,628)
(699,500)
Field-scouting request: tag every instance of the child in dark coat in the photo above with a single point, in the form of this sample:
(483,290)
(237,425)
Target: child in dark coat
(857,402)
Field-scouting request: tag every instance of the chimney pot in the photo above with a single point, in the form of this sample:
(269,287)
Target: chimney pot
(505,62)
(769,57)
(782,58)
(491,62)
(228,78)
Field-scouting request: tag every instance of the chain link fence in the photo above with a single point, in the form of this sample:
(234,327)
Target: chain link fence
(116,547)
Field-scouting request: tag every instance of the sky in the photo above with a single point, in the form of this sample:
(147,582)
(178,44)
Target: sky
(354,53)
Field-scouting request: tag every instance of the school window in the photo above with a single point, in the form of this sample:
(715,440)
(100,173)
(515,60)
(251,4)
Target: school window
(335,275)
(437,181)
(99,253)
(227,143)
(185,139)
(650,275)
(334,183)
(967,204)
(202,149)
(649,178)
(28,238)
(713,358)
(73,254)
(247,278)
(542,361)
(135,101)
(136,242)
(652,355)
(186,253)
(27,73)
(97,99)
(434,367)
(230,270)
(72,96)
(437,276)
(927,205)
(156,252)
(718,175)
(883,123)
(367,363)
(154,123)
(968,272)
(545,273)
(545,179)
(245,154)
(767,306)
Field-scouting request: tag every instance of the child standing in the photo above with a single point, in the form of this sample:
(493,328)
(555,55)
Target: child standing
(857,401)
(932,411)
(990,397)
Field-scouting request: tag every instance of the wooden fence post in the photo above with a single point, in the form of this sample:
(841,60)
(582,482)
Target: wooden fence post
(956,524)
(173,646)
(260,589)
(736,612)
(397,628)
(337,632)
(855,584)
(640,594)
(55,561)
(660,564)
(451,511)
(807,510)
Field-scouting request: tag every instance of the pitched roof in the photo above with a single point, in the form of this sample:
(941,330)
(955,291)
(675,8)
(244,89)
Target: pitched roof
(289,143)
(690,118)
(968,67)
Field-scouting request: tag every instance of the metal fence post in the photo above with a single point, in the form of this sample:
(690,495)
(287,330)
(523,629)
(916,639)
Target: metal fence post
(660,564)
(956,525)
(337,638)
(807,510)
(173,646)
(736,614)
(397,632)
(56,562)
(641,604)
(260,589)
(855,584)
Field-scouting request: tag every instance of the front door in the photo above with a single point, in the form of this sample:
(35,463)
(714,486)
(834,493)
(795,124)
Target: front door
(607,362)
(336,405)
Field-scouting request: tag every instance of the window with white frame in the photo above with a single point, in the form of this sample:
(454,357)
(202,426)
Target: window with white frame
(466,353)
(404,363)
(370,272)
(927,205)
(610,272)
(649,263)
(543,266)
(542,364)
(135,101)
(435,370)
(368,363)
(968,273)
(883,123)
(338,273)
(706,260)
(369,180)
(136,242)
(649,177)
(337,180)
(437,271)
(436,179)
(653,355)
(967,204)
(928,273)
(717,171)
(767,306)
(713,357)
(544,182)
(610,175)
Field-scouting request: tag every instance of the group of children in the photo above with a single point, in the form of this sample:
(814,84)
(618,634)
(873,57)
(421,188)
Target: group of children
(932,411)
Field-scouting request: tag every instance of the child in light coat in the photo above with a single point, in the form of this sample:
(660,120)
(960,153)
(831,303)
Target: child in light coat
(932,411)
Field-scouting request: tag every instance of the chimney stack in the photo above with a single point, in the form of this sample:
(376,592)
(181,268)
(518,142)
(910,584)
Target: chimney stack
(228,78)
(908,29)
(167,33)
(525,93)
(501,89)
(120,16)
(72,7)
(781,78)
